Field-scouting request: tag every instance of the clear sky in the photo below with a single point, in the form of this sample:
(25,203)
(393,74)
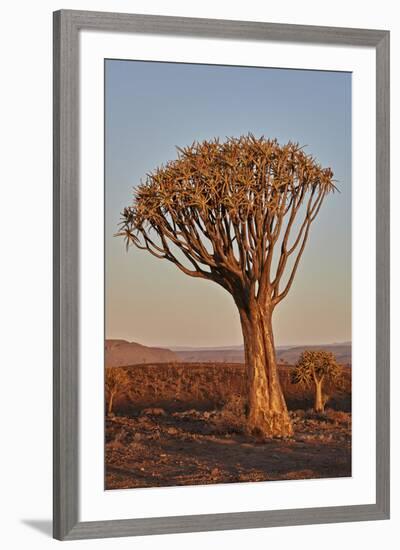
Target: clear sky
(152,107)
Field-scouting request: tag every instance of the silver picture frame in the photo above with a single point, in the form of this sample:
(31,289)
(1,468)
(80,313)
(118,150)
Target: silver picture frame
(67,26)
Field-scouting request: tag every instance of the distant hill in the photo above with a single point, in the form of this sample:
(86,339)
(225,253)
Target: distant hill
(119,353)
(284,354)
(341,351)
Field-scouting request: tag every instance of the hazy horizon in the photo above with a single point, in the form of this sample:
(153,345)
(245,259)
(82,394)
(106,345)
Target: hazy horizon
(173,347)
(152,107)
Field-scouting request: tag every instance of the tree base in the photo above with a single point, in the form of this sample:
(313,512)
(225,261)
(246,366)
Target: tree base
(270,424)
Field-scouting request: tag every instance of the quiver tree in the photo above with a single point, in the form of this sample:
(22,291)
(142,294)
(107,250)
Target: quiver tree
(237,213)
(312,369)
(115,384)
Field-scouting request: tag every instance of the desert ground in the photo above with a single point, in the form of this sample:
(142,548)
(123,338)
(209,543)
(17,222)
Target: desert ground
(183,424)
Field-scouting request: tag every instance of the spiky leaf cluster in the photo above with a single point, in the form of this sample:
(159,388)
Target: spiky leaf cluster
(223,204)
(315,366)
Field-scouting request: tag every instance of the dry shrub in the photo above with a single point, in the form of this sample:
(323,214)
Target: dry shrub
(339,417)
(209,386)
(235,405)
(231,417)
(329,417)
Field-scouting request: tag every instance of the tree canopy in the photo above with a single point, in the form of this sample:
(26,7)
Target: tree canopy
(314,366)
(221,208)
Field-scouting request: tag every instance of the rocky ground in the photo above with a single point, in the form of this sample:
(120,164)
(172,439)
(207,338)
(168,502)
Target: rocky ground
(155,449)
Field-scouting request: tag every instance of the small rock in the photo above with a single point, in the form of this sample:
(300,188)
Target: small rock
(156,411)
(144,421)
(172,431)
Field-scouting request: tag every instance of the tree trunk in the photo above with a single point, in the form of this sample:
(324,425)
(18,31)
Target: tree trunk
(110,404)
(267,414)
(319,404)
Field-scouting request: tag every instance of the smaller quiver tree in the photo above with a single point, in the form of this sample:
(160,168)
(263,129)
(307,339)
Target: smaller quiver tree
(313,369)
(116,381)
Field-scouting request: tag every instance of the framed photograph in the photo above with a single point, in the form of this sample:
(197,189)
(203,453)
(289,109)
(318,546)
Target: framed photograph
(221,274)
